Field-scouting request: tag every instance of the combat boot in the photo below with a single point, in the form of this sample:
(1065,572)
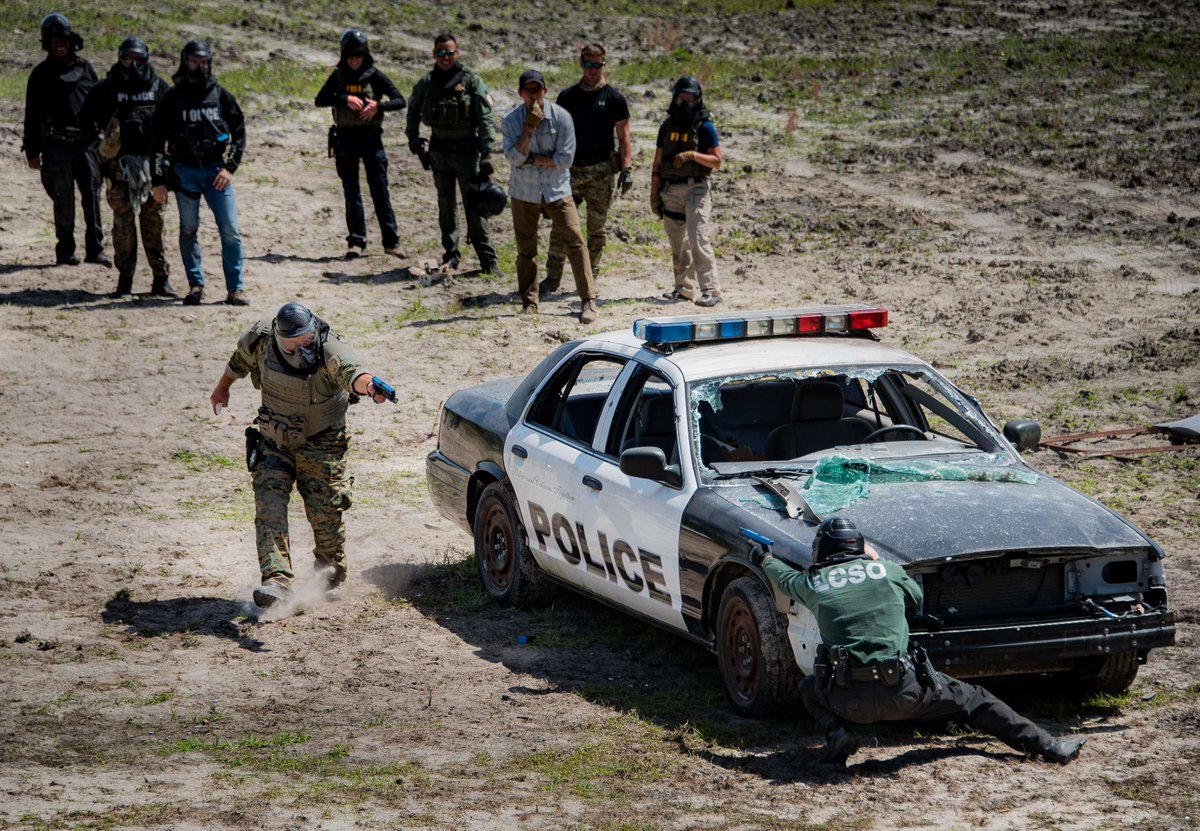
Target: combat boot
(1064,751)
(840,745)
(268,594)
(124,286)
(194,296)
(162,288)
(588,313)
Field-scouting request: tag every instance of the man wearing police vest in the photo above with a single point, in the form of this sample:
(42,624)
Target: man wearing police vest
(360,94)
(199,139)
(308,377)
(864,673)
(122,108)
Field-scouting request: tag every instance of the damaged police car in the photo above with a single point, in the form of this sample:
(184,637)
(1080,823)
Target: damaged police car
(640,468)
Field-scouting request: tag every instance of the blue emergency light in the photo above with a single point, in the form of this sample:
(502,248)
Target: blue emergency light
(708,328)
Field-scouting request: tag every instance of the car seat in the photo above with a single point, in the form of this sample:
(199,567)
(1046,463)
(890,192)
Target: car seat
(817,423)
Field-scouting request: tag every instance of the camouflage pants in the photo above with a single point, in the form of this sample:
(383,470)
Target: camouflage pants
(125,232)
(594,185)
(318,470)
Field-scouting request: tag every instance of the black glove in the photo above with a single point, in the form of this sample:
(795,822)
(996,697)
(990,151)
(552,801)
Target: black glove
(758,553)
(625,181)
(416,146)
(485,166)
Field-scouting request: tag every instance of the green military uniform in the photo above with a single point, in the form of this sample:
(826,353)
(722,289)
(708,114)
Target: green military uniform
(457,108)
(303,425)
(860,606)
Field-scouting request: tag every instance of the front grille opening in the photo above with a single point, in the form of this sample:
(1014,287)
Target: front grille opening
(1120,572)
(993,589)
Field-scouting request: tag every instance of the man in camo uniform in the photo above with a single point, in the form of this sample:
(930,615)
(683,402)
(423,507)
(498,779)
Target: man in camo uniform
(600,113)
(308,377)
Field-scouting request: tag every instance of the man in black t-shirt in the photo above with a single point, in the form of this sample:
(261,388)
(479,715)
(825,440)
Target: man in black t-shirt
(602,149)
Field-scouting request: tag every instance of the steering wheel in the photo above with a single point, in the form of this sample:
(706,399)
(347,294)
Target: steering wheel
(894,428)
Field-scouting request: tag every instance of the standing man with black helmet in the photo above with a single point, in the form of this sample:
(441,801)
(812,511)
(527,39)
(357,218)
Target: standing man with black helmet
(122,107)
(602,150)
(199,138)
(455,105)
(308,377)
(687,153)
(56,142)
(356,91)
(863,671)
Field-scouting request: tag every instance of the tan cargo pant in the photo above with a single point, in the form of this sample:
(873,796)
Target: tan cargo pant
(565,219)
(592,185)
(691,241)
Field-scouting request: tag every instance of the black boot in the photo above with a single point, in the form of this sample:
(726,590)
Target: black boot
(840,745)
(163,288)
(124,286)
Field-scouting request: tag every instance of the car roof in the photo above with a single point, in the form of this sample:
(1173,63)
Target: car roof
(764,355)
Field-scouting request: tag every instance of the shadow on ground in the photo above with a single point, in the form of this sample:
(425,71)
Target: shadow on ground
(212,616)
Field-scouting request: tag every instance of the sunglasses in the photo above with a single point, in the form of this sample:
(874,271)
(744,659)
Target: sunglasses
(532,88)
(137,59)
(592,65)
(446,53)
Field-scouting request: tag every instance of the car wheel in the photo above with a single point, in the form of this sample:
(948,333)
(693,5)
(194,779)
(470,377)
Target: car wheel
(1114,673)
(502,556)
(753,651)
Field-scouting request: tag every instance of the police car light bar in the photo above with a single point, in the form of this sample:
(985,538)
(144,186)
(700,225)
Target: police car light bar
(816,320)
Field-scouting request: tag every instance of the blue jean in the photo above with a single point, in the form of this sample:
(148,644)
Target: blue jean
(192,183)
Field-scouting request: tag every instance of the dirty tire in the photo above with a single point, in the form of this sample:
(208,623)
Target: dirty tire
(502,557)
(753,652)
(1114,673)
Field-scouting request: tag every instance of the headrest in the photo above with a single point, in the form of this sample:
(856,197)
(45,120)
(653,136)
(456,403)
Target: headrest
(817,401)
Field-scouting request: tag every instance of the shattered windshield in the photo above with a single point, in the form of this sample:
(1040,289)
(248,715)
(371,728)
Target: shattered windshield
(896,421)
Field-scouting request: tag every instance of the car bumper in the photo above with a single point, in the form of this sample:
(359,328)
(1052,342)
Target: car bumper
(448,488)
(1042,646)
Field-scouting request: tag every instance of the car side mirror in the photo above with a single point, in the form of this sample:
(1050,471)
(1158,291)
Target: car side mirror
(650,463)
(1024,435)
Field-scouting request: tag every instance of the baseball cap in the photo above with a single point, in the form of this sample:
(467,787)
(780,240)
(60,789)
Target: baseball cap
(531,76)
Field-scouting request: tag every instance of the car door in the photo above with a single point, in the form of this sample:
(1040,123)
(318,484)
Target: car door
(632,524)
(549,454)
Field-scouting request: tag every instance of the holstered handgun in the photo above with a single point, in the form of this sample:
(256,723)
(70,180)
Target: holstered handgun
(823,667)
(253,445)
(927,676)
(331,141)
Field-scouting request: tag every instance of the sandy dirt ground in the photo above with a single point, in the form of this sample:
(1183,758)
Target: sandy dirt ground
(140,688)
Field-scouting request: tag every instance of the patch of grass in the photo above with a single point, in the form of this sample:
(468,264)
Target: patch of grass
(276,78)
(197,463)
(451,586)
(158,698)
(602,771)
(280,740)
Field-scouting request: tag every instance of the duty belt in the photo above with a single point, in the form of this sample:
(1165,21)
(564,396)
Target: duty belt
(690,180)
(888,672)
(590,166)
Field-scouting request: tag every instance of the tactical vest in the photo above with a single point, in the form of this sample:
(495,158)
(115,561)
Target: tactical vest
(135,111)
(675,141)
(290,413)
(447,109)
(346,117)
(70,87)
(201,134)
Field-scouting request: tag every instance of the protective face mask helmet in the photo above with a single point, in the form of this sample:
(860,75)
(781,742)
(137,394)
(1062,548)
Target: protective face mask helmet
(294,321)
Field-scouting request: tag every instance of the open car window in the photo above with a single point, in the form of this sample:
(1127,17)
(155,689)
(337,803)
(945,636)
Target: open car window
(573,399)
(645,416)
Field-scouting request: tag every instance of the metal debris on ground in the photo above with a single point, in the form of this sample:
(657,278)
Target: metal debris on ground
(1182,435)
